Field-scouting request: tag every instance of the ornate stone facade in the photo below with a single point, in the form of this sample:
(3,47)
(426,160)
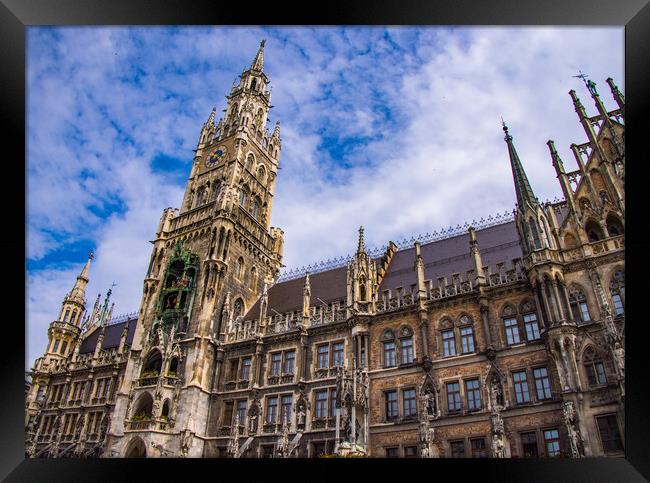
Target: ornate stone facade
(506,340)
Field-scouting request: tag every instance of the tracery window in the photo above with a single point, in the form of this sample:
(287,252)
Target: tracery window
(255,210)
(617,290)
(238,309)
(534,233)
(448,343)
(594,368)
(406,346)
(579,307)
(243,196)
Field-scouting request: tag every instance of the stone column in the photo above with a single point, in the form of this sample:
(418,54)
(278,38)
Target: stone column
(547,306)
(558,302)
(539,305)
(485,317)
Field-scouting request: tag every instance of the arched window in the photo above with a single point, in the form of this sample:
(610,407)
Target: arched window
(136,449)
(407,354)
(250,160)
(466,333)
(593,230)
(534,233)
(579,307)
(143,408)
(448,337)
(389,348)
(255,209)
(510,325)
(216,187)
(200,196)
(594,368)
(243,196)
(254,84)
(261,174)
(74,317)
(614,226)
(238,309)
(67,315)
(617,290)
(253,279)
(239,268)
(152,365)
(164,414)
(531,324)
(173,367)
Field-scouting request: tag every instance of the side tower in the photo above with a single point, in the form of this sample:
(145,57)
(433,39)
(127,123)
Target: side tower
(210,262)
(574,260)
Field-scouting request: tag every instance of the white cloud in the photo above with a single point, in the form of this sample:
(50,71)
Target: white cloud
(414,115)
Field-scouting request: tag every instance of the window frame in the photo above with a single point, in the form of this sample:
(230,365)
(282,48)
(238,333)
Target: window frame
(391,406)
(616,427)
(531,323)
(392,351)
(519,384)
(475,393)
(545,387)
(466,337)
(448,343)
(510,329)
(412,403)
(457,400)
(555,441)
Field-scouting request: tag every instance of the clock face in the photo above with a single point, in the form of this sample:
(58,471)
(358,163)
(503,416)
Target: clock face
(216,156)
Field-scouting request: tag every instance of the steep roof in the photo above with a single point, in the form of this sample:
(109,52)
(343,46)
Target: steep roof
(112,336)
(442,258)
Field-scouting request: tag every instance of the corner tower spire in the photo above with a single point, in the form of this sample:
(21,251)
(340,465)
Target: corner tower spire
(522,185)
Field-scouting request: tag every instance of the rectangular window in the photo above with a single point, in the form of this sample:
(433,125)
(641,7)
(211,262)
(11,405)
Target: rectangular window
(410,451)
(542,383)
(319,449)
(609,434)
(323,357)
(64,346)
(337,354)
(448,343)
(246,369)
(467,340)
(406,345)
(333,403)
(618,304)
(56,345)
(286,408)
(289,362)
(410,407)
(457,449)
(532,327)
(529,444)
(272,410)
(473,394)
(453,397)
(227,413)
(596,373)
(241,411)
(320,409)
(389,354)
(521,387)
(276,360)
(392,452)
(479,450)
(391,405)
(512,331)
(552,442)
(232,373)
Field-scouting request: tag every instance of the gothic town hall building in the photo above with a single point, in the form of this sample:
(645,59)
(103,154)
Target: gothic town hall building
(505,339)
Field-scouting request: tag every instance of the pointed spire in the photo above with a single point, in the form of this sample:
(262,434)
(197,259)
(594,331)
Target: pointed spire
(258,61)
(618,95)
(211,117)
(522,186)
(276,130)
(84,272)
(362,245)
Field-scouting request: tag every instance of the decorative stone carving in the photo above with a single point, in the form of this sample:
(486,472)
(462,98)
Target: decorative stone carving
(575,439)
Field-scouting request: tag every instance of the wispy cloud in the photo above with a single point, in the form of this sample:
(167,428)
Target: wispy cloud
(393,128)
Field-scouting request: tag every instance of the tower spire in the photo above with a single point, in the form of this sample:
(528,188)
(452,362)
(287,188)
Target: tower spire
(362,245)
(522,185)
(258,61)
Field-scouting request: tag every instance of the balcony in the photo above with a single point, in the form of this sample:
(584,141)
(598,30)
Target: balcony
(140,424)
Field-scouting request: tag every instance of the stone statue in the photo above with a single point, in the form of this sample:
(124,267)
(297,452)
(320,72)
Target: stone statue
(575,439)
(498,447)
(301,416)
(496,393)
(619,358)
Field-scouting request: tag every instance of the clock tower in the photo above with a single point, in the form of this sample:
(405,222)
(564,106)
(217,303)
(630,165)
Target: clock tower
(210,262)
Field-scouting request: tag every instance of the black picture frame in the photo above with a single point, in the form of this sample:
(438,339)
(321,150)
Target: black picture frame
(15,15)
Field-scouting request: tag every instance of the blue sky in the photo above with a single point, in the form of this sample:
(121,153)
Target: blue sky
(397,129)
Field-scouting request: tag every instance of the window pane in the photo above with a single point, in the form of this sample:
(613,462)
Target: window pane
(473,394)
(618,304)
(529,443)
(410,451)
(448,343)
(409,403)
(391,404)
(275,363)
(609,434)
(600,373)
(333,403)
(532,327)
(321,404)
(467,339)
(246,369)
(392,452)
(552,441)
(457,449)
(272,410)
(241,411)
(337,354)
(407,350)
(512,331)
(542,383)
(584,310)
(479,450)
(453,396)
(289,360)
(389,354)
(322,357)
(521,387)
